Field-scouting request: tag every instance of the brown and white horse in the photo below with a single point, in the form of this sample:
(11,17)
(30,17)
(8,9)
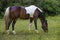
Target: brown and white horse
(31,12)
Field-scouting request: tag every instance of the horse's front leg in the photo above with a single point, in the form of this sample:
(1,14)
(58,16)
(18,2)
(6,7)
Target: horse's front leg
(13,24)
(35,22)
(30,24)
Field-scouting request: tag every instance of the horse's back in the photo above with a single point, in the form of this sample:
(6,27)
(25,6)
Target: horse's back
(18,12)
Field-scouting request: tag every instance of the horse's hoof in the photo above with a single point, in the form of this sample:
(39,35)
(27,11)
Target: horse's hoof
(7,31)
(13,32)
(37,31)
(46,31)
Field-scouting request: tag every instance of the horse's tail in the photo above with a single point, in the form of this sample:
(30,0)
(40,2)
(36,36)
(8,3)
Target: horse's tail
(6,17)
(7,11)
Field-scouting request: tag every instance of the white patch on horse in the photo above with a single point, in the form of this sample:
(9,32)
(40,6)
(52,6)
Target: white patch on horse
(7,12)
(30,10)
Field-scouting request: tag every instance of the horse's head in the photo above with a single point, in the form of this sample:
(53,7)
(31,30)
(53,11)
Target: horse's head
(45,26)
(43,21)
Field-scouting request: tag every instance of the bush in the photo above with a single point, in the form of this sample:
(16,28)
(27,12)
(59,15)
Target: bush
(51,7)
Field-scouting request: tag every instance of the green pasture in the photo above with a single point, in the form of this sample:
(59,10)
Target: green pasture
(22,32)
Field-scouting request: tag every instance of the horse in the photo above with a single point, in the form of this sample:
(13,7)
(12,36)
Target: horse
(31,12)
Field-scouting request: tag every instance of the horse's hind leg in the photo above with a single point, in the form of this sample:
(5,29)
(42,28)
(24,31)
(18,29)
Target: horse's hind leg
(13,23)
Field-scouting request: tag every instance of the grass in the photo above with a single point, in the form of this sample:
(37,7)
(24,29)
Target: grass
(23,33)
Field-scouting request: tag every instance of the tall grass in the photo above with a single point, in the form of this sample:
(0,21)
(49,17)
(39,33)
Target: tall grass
(23,33)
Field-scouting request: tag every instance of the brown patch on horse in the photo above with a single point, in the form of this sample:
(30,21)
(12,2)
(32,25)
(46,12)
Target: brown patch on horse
(14,12)
(17,12)
(23,14)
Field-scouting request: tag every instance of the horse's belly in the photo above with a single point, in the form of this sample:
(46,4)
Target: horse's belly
(24,16)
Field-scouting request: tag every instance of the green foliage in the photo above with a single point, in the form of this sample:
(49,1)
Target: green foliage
(51,7)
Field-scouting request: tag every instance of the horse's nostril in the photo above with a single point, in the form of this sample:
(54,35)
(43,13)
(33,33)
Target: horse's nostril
(45,29)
